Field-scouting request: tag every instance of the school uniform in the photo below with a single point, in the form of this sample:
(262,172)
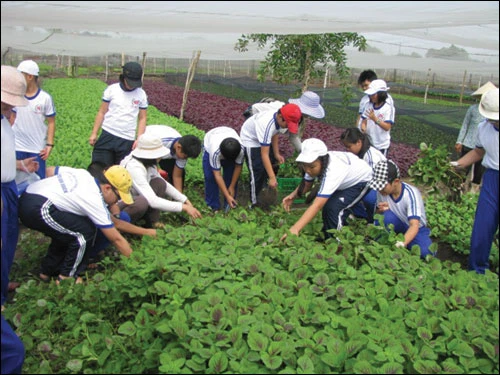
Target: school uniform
(409,205)
(379,138)
(256,132)
(31,130)
(168,136)
(68,208)
(344,183)
(214,161)
(120,123)
(372,156)
(365,100)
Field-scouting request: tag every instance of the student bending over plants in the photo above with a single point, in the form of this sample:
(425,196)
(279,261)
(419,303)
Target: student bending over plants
(343,180)
(402,206)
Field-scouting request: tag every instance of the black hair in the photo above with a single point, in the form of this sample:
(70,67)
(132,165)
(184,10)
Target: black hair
(392,171)
(191,145)
(96,167)
(230,148)
(382,97)
(147,162)
(369,75)
(353,135)
(324,160)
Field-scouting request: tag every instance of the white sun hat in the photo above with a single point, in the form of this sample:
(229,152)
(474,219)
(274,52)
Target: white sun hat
(150,147)
(309,104)
(376,86)
(312,149)
(489,105)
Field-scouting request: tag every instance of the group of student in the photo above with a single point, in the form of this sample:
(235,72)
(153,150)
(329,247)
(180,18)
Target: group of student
(138,171)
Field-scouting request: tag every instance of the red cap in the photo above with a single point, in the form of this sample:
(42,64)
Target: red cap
(292,114)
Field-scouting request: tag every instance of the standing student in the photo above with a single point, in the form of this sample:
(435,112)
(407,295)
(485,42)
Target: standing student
(259,137)
(466,139)
(402,206)
(34,125)
(355,141)
(309,104)
(343,181)
(150,190)
(13,88)
(122,116)
(364,80)
(181,148)
(486,218)
(223,159)
(68,208)
(378,116)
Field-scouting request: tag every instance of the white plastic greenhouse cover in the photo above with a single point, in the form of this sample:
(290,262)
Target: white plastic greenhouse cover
(175,29)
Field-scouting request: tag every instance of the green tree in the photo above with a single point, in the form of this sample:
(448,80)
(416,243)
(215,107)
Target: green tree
(302,57)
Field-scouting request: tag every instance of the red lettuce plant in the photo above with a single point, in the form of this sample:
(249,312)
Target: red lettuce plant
(207,111)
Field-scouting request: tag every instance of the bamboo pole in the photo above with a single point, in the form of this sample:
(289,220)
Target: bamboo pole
(189,79)
(463,87)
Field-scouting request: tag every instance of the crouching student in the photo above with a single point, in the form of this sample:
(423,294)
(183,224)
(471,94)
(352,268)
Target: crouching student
(120,219)
(69,208)
(402,206)
(149,189)
(222,163)
(181,149)
(343,180)
(357,142)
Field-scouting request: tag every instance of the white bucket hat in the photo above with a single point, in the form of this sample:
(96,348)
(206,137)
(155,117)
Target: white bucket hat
(29,67)
(484,88)
(312,149)
(150,147)
(309,104)
(489,105)
(13,87)
(376,86)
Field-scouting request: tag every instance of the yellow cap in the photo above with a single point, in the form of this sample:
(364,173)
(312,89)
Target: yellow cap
(119,177)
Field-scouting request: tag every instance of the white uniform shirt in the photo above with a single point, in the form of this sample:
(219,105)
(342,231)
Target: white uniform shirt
(211,144)
(259,129)
(344,171)
(379,138)
(373,156)
(76,191)
(168,136)
(487,138)
(123,112)
(30,127)
(409,205)
(272,106)
(140,186)
(8,152)
(261,107)
(365,100)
